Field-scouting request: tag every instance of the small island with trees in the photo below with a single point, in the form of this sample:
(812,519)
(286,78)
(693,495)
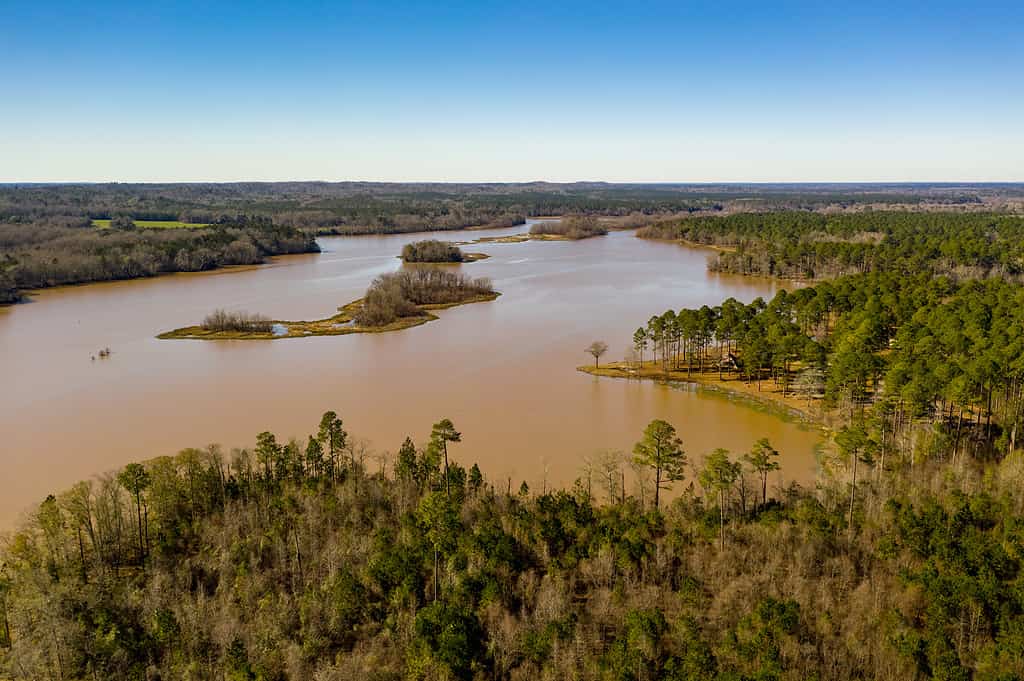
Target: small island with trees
(394,301)
(572,228)
(437,252)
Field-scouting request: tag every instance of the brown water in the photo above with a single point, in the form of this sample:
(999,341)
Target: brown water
(503,371)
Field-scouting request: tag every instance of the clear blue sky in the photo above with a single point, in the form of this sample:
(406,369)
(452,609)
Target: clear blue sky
(631,91)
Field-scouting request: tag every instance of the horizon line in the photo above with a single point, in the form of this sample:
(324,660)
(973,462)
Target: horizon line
(525,182)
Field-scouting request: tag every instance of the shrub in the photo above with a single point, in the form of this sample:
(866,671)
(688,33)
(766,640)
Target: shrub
(385,303)
(222,320)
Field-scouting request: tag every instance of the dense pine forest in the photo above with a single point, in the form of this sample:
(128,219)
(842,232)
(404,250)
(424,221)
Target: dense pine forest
(814,245)
(917,354)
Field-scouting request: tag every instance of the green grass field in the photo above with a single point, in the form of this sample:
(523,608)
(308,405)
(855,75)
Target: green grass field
(154,224)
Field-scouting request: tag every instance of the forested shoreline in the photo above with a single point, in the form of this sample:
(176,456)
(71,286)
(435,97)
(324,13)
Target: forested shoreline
(814,246)
(57,253)
(297,560)
(47,236)
(378,207)
(915,353)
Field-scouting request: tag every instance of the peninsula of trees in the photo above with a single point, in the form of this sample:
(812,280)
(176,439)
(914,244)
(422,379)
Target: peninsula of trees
(915,354)
(914,359)
(392,302)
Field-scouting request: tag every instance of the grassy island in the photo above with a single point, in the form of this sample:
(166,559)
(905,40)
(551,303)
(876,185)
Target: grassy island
(517,238)
(565,229)
(393,302)
(129,224)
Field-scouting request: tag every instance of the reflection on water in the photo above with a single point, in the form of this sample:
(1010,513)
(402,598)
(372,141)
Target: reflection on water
(503,371)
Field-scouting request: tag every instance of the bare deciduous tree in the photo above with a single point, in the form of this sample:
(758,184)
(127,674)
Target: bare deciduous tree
(597,348)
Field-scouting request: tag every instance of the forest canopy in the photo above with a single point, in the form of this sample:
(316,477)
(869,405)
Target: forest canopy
(377,207)
(298,560)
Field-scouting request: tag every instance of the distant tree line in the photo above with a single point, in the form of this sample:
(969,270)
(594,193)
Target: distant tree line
(383,223)
(808,245)
(46,237)
(373,207)
(42,254)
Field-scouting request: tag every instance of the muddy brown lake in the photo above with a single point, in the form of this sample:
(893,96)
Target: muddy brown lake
(503,371)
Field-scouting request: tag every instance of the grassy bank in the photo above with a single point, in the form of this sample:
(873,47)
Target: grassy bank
(516,239)
(155,224)
(337,325)
(641,234)
(767,393)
